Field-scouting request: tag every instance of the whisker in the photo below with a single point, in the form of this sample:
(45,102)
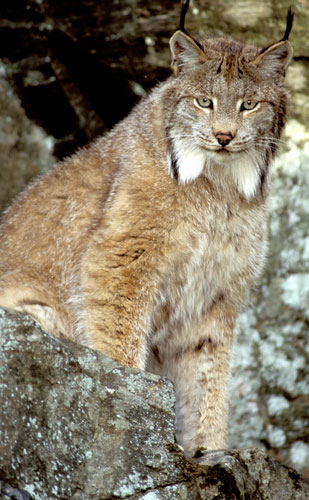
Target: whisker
(248,144)
(269,139)
(180,136)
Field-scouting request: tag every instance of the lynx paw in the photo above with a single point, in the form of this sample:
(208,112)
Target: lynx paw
(213,457)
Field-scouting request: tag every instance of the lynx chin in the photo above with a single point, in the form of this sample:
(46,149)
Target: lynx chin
(145,244)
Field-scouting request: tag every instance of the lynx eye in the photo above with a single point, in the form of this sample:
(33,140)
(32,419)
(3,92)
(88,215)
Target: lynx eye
(203,102)
(248,105)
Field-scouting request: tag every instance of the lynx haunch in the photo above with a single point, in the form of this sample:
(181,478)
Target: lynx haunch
(144,245)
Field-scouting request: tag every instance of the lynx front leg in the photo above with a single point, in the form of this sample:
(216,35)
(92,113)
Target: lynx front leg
(201,395)
(115,295)
(199,370)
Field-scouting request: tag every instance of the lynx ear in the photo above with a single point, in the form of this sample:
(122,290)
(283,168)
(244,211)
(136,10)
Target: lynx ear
(185,51)
(275,59)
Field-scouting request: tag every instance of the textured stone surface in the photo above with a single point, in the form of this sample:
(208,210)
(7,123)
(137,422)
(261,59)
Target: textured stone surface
(7,492)
(84,419)
(25,149)
(76,425)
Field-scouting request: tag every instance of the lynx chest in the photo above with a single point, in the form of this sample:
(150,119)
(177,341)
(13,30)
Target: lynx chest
(219,254)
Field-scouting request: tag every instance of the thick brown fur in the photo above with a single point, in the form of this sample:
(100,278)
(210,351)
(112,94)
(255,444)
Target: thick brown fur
(145,244)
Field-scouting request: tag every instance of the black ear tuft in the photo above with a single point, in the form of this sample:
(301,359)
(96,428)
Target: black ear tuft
(184,10)
(289,25)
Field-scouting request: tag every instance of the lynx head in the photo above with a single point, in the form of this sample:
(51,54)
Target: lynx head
(226,108)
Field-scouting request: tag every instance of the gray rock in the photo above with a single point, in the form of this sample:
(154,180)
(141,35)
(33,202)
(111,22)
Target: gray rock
(73,420)
(76,425)
(7,492)
(25,149)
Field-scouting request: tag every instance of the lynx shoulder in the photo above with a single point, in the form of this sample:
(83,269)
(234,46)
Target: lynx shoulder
(145,244)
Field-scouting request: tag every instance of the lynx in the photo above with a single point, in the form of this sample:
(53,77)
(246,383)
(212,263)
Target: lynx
(145,244)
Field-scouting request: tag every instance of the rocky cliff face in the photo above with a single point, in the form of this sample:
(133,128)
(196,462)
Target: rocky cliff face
(75,425)
(68,71)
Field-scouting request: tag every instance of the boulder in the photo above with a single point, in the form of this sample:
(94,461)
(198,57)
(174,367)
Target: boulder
(76,425)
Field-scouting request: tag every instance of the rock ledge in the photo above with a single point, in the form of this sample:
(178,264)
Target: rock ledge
(76,425)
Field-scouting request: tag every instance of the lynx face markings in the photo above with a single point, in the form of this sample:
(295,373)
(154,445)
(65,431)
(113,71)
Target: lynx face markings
(220,143)
(229,144)
(228,118)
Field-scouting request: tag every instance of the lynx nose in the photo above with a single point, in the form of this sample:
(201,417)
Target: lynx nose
(223,138)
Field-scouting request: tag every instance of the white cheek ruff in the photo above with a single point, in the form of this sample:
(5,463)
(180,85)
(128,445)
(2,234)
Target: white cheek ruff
(243,171)
(246,175)
(190,160)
